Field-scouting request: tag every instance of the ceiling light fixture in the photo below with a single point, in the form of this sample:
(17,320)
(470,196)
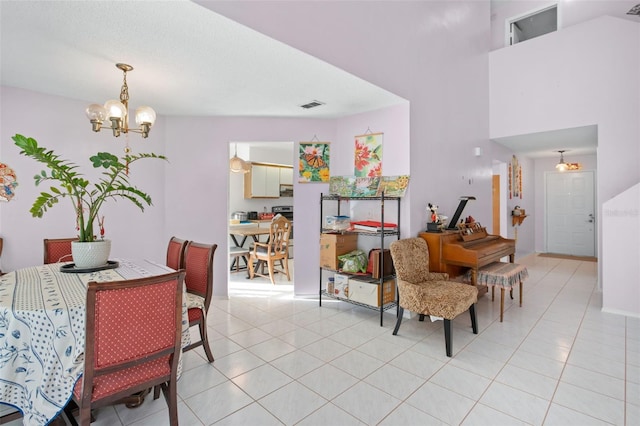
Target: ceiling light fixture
(237,164)
(562,166)
(118,112)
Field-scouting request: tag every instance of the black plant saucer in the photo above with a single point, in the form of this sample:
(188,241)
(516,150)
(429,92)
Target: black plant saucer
(73,269)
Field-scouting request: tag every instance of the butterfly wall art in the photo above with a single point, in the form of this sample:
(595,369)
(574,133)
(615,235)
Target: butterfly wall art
(314,162)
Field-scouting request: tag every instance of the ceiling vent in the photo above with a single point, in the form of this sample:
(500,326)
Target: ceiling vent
(635,10)
(312,104)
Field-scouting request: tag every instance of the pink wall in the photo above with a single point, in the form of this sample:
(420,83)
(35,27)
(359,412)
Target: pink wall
(433,54)
(61,125)
(197,207)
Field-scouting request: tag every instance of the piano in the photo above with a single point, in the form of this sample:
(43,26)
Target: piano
(454,252)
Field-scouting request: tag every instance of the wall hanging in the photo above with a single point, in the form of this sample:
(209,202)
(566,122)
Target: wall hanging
(515,178)
(8,182)
(368,155)
(314,162)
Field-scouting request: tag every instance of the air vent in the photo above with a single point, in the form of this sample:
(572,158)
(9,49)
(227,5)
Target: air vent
(635,10)
(312,104)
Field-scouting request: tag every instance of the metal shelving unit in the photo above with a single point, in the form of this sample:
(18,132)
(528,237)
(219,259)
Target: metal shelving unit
(382,234)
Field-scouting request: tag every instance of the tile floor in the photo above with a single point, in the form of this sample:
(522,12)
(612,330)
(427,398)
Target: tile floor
(557,360)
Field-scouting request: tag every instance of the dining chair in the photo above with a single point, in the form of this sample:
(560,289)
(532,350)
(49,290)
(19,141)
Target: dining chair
(198,263)
(57,249)
(133,339)
(274,250)
(175,253)
(429,293)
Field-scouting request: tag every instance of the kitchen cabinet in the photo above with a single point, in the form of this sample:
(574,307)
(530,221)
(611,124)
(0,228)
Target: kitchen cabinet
(286,175)
(262,181)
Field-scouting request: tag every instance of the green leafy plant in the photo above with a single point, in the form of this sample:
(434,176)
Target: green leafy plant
(87,198)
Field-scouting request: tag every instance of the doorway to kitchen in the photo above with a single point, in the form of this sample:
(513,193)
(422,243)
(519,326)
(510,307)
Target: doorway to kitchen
(262,189)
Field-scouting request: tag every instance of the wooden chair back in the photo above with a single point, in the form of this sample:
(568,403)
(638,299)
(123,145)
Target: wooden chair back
(198,263)
(133,339)
(279,238)
(175,253)
(57,250)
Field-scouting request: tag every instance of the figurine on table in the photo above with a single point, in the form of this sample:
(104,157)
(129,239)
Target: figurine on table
(434,224)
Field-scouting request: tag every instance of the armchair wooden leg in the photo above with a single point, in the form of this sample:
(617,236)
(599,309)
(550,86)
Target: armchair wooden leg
(447,336)
(399,321)
(421,317)
(474,322)
(271,271)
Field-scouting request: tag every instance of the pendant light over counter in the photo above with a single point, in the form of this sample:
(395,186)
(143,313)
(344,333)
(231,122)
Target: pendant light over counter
(237,164)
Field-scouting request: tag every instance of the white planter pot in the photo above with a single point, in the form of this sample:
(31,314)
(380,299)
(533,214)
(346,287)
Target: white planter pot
(92,254)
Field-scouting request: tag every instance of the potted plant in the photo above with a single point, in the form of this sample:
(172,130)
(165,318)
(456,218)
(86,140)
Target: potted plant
(87,198)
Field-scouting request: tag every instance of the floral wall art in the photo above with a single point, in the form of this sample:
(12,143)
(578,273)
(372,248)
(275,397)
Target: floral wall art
(8,182)
(368,155)
(314,162)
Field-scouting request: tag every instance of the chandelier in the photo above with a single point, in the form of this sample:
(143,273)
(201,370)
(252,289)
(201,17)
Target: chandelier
(117,112)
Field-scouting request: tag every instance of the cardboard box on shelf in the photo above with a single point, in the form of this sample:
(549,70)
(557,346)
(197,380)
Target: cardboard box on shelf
(367,291)
(341,285)
(334,245)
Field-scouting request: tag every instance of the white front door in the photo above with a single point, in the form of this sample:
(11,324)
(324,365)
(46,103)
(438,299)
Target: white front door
(570,213)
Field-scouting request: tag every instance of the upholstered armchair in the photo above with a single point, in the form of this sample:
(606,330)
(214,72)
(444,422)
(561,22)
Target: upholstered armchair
(429,293)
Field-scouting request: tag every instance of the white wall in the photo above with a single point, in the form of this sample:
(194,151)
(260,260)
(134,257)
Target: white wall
(620,222)
(586,74)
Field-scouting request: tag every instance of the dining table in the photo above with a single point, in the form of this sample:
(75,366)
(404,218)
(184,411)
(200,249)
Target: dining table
(42,332)
(245,232)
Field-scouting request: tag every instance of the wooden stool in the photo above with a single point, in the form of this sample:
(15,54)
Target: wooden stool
(237,253)
(503,275)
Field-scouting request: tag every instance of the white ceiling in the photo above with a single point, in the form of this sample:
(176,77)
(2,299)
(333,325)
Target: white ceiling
(577,141)
(190,61)
(187,60)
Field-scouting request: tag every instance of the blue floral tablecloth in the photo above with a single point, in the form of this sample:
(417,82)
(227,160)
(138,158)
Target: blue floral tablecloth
(42,333)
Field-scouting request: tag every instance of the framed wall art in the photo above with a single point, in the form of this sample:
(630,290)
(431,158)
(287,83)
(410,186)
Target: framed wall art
(313,165)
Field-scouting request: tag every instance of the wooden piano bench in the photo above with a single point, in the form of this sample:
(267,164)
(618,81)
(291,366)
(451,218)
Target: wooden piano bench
(503,275)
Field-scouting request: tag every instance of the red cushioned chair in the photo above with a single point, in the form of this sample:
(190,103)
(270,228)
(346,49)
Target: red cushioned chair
(175,253)
(57,250)
(121,360)
(198,263)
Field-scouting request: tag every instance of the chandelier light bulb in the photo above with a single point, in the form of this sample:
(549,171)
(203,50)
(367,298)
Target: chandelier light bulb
(96,112)
(145,115)
(115,109)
